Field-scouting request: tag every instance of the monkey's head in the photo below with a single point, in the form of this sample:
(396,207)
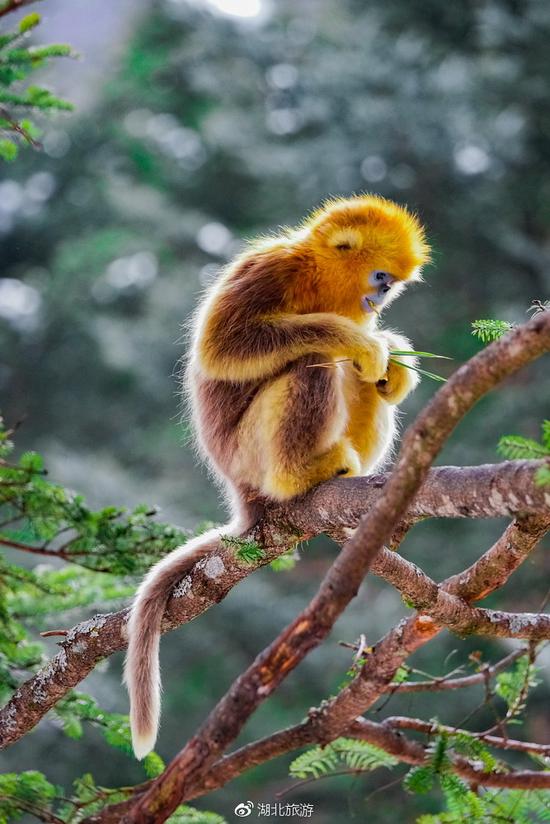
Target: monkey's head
(366,249)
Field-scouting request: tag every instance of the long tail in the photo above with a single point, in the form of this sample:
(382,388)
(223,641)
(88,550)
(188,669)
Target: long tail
(141,668)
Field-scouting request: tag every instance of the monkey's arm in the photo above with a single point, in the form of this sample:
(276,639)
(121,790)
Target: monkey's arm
(259,347)
(398,381)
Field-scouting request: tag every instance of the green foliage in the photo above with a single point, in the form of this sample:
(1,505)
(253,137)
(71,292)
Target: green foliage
(516,447)
(27,792)
(461,803)
(103,548)
(31,792)
(360,755)
(419,780)
(354,753)
(190,815)
(49,520)
(247,552)
(284,562)
(8,149)
(491,806)
(471,747)
(314,763)
(17,61)
(401,675)
(489,329)
(514,686)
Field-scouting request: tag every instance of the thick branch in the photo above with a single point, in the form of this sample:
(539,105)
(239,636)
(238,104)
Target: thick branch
(494,568)
(491,490)
(453,611)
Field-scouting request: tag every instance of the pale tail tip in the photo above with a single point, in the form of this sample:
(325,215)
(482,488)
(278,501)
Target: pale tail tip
(143,744)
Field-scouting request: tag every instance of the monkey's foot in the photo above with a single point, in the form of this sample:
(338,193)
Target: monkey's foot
(340,460)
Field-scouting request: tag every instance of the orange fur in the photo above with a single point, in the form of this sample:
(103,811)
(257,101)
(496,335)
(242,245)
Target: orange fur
(270,422)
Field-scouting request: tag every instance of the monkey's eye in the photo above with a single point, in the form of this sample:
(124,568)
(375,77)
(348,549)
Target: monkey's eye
(343,246)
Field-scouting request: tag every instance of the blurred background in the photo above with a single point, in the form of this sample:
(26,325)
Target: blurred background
(202,123)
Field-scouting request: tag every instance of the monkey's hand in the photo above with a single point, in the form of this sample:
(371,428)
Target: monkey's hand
(370,361)
(398,381)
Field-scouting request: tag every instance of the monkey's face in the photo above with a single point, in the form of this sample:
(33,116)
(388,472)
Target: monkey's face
(366,250)
(381,293)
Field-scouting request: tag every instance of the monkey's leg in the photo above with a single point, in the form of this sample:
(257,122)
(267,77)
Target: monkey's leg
(371,425)
(299,420)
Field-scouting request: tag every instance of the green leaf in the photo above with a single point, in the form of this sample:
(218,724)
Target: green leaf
(473,748)
(412,352)
(489,329)
(284,562)
(361,755)
(20,791)
(314,763)
(248,552)
(419,780)
(426,374)
(514,686)
(542,476)
(401,675)
(8,149)
(190,815)
(30,21)
(354,753)
(153,765)
(516,447)
(31,461)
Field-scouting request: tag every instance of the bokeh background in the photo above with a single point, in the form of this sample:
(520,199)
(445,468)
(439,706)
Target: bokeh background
(202,123)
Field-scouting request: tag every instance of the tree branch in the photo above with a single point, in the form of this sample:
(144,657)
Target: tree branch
(445,682)
(452,610)
(376,675)
(402,723)
(12,5)
(492,490)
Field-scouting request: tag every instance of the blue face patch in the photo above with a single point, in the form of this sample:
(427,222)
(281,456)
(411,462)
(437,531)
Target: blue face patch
(381,283)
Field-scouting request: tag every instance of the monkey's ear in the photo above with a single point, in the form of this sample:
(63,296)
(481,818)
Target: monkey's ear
(345,239)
